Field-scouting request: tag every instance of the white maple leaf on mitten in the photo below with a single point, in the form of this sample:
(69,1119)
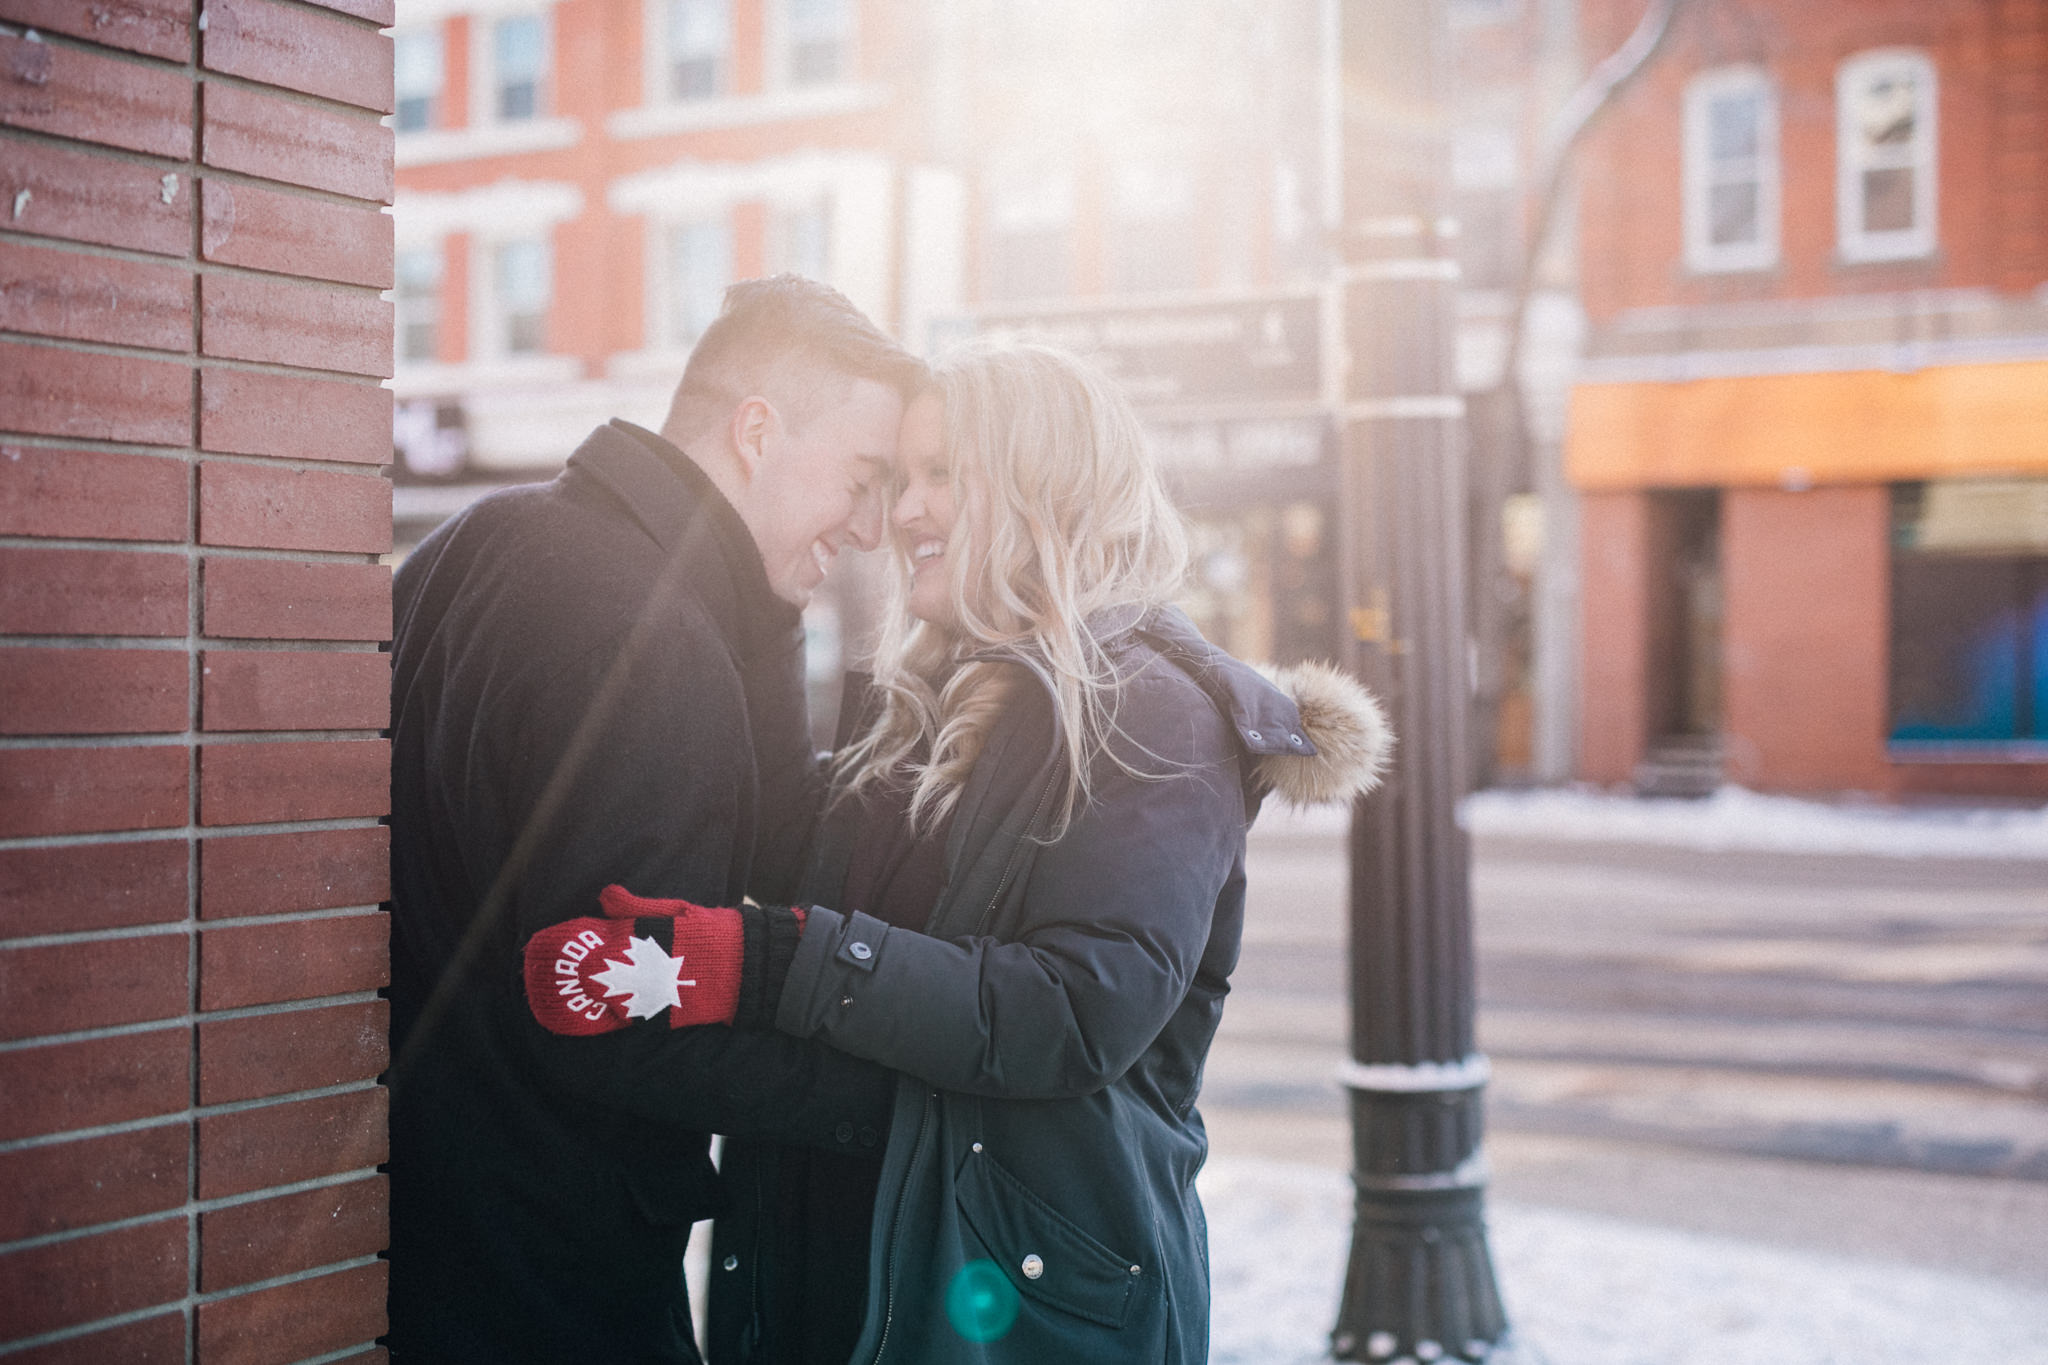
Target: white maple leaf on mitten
(647,978)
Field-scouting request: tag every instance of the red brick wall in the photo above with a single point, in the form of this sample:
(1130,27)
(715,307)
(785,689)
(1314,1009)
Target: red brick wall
(1617,534)
(191,693)
(1993,152)
(1807,580)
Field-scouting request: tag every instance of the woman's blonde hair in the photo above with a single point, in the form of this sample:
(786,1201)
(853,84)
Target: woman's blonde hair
(1059,514)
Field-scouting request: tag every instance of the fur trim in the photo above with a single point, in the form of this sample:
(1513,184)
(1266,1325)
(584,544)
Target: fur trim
(1348,728)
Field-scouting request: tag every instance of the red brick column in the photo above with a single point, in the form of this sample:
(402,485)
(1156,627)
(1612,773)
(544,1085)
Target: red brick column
(191,690)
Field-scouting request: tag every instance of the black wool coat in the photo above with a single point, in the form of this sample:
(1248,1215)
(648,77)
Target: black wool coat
(592,683)
(1052,1022)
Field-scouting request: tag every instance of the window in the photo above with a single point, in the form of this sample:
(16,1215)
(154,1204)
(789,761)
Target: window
(522,277)
(1731,171)
(1885,156)
(699,268)
(820,41)
(1030,212)
(1486,200)
(698,47)
(801,241)
(417,73)
(1969,661)
(519,59)
(1152,227)
(418,303)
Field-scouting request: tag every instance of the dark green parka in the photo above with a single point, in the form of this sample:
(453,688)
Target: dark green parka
(1051,1024)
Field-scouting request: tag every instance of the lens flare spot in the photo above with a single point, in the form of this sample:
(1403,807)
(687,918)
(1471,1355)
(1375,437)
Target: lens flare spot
(981,1301)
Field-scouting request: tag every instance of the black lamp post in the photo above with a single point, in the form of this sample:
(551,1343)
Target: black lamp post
(1420,1284)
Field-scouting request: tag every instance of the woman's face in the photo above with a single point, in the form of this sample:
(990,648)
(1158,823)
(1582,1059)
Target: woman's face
(924,511)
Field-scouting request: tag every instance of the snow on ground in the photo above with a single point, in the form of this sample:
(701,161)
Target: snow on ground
(1736,818)
(1733,818)
(1587,1290)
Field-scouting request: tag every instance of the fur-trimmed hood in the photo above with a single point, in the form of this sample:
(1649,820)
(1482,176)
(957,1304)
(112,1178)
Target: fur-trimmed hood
(1346,728)
(1313,735)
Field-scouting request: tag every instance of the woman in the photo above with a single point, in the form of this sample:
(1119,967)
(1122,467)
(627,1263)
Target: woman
(1037,857)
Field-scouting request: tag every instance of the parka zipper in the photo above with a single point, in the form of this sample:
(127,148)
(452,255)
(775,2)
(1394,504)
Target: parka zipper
(924,1119)
(896,1231)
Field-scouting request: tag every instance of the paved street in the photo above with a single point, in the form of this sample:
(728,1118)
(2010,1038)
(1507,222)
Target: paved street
(1844,1054)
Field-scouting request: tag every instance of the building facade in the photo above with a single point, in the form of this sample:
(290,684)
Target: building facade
(1811,436)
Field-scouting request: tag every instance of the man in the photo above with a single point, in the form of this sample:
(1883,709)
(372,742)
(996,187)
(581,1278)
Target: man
(599,680)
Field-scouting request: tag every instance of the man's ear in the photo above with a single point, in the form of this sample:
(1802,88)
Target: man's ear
(751,425)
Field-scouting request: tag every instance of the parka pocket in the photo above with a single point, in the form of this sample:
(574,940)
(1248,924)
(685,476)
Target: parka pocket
(1044,1254)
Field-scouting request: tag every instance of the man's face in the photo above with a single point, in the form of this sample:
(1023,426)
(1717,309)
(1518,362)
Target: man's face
(816,489)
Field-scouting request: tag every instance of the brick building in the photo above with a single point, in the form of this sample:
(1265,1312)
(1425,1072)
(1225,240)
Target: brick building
(192,429)
(1812,433)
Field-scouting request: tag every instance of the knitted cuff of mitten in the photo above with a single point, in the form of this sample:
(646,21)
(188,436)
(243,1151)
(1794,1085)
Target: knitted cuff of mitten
(772,934)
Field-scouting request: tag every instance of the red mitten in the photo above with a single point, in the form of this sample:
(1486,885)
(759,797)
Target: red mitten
(589,976)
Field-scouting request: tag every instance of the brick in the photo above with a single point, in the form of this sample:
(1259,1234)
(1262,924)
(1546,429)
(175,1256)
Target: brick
(152,1341)
(92,592)
(63,1186)
(247,412)
(276,508)
(156,28)
(317,779)
(299,49)
(93,495)
(51,190)
(268,599)
(382,13)
(276,874)
(51,391)
(81,94)
(294,235)
(93,691)
(269,964)
(62,1284)
(294,1321)
(291,1233)
(317,327)
(300,144)
(293,960)
(86,791)
(276,1054)
(64,987)
(295,690)
(65,888)
(279,1144)
(53,293)
(59,1087)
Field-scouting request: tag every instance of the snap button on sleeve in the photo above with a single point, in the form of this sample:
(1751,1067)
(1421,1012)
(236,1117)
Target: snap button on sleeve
(861,951)
(844,1132)
(731,1262)
(1033,1267)
(868,1137)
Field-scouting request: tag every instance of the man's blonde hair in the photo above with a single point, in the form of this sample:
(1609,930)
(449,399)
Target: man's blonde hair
(1060,514)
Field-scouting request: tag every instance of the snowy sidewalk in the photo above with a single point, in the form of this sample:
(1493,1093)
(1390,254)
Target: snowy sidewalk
(1586,1290)
(1735,818)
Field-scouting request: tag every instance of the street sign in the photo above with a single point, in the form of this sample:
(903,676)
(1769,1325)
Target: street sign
(1253,353)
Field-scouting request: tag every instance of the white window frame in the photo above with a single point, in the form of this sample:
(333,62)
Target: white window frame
(779,34)
(483,67)
(1702,253)
(437,101)
(400,310)
(783,220)
(488,319)
(655,42)
(662,332)
(1853,158)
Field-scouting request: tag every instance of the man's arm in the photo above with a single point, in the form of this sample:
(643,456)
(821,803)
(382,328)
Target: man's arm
(633,765)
